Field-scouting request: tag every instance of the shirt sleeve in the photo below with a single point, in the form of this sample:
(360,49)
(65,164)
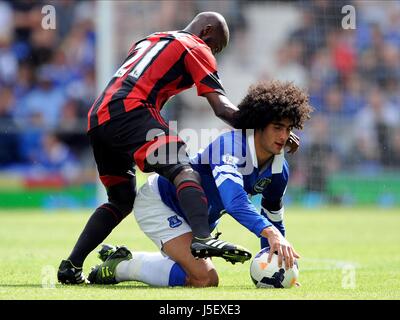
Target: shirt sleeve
(229,182)
(272,199)
(202,66)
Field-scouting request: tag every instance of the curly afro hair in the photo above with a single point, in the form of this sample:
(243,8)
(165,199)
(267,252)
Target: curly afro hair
(271,101)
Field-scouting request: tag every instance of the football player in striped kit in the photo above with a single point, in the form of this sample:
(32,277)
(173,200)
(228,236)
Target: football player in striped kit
(125,129)
(238,164)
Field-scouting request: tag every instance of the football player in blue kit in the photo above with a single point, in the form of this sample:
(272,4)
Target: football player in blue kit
(237,165)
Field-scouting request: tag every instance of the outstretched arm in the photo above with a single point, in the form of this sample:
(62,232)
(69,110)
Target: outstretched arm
(226,111)
(223,108)
(241,209)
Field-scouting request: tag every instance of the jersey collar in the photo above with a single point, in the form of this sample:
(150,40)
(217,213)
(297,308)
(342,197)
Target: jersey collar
(277,162)
(252,147)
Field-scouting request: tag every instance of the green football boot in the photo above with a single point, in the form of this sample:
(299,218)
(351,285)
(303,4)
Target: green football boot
(106,251)
(105,273)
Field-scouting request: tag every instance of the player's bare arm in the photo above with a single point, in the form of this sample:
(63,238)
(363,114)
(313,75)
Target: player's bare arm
(223,108)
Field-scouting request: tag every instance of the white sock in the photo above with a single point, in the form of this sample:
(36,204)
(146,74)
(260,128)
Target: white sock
(152,268)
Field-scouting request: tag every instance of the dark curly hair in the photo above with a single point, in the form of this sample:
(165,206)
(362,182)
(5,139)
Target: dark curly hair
(271,101)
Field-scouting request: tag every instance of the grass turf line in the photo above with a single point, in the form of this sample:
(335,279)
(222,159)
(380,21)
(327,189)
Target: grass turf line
(328,239)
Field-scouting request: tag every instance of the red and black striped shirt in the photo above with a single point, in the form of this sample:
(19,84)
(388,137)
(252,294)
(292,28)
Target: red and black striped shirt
(157,68)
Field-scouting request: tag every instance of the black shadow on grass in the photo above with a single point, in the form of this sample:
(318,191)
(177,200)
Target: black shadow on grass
(79,287)
(20,285)
(94,286)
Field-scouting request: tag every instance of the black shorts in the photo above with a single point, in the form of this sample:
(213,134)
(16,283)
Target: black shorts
(139,137)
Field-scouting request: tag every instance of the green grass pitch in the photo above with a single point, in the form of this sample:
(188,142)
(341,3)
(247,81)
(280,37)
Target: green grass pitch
(347,253)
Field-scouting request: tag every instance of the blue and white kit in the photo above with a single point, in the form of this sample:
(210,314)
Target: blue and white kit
(230,175)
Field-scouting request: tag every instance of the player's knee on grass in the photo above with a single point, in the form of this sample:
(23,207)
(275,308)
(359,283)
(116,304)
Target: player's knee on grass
(123,196)
(204,278)
(201,273)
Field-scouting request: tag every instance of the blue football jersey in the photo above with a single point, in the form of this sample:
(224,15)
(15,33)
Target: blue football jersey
(230,175)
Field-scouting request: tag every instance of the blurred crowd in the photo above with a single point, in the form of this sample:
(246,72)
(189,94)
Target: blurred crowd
(353,78)
(47,80)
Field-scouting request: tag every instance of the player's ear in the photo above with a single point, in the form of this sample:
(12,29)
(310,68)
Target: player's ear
(206,31)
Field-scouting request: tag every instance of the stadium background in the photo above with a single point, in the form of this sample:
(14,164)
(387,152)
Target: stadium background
(350,150)
(344,192)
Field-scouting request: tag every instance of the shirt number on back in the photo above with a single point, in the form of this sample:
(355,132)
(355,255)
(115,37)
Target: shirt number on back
(145,58)
(144,62)
(141,48)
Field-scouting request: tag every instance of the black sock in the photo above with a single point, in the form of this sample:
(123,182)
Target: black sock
(98,227)
(193,202)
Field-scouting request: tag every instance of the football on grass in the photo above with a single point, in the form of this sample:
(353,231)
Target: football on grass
(269,275)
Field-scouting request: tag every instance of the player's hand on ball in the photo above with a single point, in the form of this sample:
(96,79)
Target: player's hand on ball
(279,244)
(293,143)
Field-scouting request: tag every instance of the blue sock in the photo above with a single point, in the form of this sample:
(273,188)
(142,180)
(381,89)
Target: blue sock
(177,276)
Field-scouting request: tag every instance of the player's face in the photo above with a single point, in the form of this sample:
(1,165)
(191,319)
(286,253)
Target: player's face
(275,135)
